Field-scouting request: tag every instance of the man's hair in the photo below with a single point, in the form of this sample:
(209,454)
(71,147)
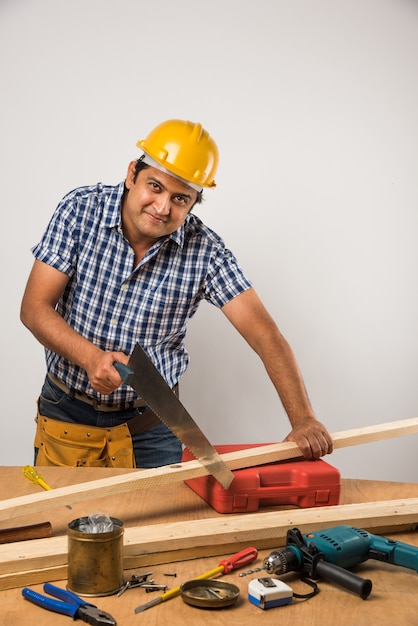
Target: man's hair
(140,165)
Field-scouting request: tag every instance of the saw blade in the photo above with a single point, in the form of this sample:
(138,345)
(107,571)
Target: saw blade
(142,375)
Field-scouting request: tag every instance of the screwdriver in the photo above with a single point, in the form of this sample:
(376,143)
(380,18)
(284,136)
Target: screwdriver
(31,473)
(225,566)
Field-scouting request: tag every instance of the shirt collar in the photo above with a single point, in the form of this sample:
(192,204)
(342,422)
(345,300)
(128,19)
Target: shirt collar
(112,207)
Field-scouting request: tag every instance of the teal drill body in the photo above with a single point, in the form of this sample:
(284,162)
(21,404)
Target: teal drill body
(330,554)
(346,547)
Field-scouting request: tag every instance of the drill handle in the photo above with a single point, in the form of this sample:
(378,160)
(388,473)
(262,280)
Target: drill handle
(343,577)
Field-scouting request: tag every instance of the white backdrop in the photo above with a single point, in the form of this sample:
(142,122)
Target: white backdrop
(313,104)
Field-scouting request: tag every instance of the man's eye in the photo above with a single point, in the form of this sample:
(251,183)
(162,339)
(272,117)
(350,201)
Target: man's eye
(180,200)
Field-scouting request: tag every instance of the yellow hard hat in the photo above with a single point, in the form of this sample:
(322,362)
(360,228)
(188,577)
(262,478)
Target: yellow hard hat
(184,149)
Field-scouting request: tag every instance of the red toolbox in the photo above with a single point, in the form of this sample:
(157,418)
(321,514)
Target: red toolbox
(298,482)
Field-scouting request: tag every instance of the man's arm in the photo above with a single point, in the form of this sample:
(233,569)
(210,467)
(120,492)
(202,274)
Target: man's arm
(249,316)
(43,290)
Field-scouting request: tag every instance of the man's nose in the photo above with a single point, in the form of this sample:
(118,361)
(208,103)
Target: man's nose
(162,204)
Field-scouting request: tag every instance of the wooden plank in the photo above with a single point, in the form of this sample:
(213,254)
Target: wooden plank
(151,478)
(24,533)
(40,560)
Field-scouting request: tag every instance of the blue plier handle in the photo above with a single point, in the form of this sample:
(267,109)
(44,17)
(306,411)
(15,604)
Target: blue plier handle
(68,604)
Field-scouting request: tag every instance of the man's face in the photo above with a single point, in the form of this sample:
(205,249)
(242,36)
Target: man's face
(155,205)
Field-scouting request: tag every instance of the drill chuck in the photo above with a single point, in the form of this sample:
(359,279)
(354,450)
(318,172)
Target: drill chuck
(281,561)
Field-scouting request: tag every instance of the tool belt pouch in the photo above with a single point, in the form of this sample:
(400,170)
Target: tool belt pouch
(75,445)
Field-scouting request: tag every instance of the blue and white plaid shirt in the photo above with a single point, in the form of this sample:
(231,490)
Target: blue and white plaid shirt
(114,304)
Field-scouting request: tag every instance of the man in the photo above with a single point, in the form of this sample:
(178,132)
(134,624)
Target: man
(130,263)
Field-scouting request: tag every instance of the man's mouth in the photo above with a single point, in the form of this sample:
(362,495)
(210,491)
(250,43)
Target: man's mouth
(156,218)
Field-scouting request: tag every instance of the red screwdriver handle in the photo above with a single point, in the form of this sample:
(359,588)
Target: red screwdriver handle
(239,560)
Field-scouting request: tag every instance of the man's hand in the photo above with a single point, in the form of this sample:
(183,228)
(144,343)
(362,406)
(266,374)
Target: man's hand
(102,373)
(44,288)
(312,438)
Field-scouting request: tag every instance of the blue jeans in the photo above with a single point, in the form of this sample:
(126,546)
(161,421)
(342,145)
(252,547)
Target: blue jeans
(153,448)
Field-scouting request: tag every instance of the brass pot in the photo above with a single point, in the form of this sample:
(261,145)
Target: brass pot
(95,560)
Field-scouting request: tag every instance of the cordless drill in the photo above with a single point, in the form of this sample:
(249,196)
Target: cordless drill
(330,553)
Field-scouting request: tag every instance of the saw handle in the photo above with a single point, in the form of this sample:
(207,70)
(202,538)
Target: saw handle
(123,370)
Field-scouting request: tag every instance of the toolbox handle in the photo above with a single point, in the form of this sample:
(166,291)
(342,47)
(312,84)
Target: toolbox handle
(269,492)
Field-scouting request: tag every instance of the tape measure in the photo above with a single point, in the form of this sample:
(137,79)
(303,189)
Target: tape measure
(267,593)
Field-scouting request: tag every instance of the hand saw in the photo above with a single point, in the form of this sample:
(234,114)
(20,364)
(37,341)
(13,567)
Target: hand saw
(142,375)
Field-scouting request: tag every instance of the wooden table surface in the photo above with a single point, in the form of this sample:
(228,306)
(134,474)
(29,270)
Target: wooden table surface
(394,598)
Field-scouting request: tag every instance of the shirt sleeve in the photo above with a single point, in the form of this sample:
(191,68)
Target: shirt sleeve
(58,245)
(226,279)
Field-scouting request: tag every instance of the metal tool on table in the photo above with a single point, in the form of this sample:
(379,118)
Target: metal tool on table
(225,567)
(137,580)
(209,594)
(328,551)
(142,375)
(31,473)
(69,604)
(301,555)
(142,581)
(331,552)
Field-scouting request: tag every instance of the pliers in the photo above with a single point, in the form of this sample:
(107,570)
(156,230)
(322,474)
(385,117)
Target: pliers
(71,605)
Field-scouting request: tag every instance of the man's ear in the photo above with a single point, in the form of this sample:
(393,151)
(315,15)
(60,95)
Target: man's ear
(130,175)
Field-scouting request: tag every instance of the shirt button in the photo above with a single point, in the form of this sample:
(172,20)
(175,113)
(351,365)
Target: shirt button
(113,322)
(124,287)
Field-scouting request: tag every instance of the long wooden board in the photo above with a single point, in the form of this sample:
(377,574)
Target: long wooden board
(145,479)
(43,560)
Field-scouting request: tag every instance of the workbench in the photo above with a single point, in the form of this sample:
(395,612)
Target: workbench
(393,600)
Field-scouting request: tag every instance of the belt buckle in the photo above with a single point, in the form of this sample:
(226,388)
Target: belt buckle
(126,406)
(118,406)
(96,403)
